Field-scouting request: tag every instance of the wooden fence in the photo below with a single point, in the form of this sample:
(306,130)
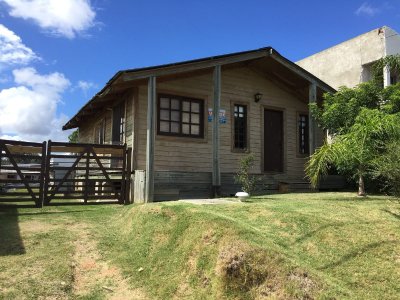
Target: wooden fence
(64,172)
(21,181)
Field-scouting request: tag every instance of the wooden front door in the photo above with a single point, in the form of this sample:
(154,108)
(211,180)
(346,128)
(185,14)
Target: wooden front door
(273,140)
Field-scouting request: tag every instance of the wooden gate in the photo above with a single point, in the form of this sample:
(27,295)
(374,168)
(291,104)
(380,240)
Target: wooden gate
(64,172)
(86,172)
(21,171)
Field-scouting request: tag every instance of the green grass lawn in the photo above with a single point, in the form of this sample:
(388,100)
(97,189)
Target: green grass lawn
(288,246)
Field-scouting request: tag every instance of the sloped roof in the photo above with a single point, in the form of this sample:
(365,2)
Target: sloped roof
(140,74)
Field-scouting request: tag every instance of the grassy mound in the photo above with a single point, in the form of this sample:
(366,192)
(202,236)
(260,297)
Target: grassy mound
(182,251)
(292,246)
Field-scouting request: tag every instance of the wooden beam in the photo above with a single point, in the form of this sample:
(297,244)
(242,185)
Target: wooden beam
(300,71)
(216,173)
(151,110)
(271,77)
(197,65)
(311,122)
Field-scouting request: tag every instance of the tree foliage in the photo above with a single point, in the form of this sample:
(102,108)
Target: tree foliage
(74,136)
(340,109)
(362,121)
(387,166)
(243,177)
(391,61)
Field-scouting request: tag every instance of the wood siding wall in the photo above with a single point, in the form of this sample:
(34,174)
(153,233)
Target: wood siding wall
(180,154)
(238,85)
(87,129)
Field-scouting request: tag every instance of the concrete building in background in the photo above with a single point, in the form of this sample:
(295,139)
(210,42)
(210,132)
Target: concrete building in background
(350,63)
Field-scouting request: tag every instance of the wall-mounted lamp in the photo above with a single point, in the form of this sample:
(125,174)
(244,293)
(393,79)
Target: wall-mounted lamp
(257,97)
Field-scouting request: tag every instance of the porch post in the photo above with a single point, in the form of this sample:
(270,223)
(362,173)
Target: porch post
(216,175)
(311,123)
(151,104)
(386,76)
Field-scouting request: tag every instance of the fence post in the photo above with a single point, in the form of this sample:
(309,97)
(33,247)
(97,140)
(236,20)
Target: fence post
(85,195)
(128,176)
(46,199)
(122,196)
(42,177)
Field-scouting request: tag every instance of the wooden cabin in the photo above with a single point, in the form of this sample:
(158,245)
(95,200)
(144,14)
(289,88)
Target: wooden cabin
(190,123)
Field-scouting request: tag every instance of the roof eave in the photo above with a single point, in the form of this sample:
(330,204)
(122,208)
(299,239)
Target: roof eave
(197,64)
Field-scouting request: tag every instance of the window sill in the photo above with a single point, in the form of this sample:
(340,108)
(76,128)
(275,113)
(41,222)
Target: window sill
(236,150)
(274,173)
(180,139)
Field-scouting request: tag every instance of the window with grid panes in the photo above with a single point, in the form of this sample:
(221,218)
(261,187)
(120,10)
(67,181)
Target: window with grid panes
(240,126)
(100,132)
(180,116)
(303,134)
(118,124)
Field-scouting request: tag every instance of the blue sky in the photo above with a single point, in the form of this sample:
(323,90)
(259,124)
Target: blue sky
(56,54)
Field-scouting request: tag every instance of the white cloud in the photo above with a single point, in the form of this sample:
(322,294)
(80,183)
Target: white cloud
(12,50)
(367,9)
(29,110)
(85,86)
(54,82)
(60,17)
(4,79)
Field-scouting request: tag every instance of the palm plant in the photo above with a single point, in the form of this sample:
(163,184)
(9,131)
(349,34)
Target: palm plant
(356,150)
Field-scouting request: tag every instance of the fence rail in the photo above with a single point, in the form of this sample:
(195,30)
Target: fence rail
(63,172)
(21,181)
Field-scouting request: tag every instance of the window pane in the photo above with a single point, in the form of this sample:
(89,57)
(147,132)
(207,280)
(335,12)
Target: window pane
(185,118)
(240,126)
(195,129)
(195,107)
(175,116)
(175,127)
(164,103)
(164,114)
(185,129)
(175,104)
(180,116)
(185,105)
(164,126)
(303,134)
(195,118)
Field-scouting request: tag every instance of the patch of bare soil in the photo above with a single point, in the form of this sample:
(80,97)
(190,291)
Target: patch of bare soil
(246,269)
(306,284)
(92,272)
(33,226)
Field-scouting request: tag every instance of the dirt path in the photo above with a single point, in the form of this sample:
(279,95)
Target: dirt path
(93,275)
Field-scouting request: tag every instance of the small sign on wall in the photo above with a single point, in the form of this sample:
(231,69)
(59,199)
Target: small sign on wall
(222,116)
(210,115)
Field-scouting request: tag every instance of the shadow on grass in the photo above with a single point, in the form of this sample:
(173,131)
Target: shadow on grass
(16,206)
(38,213)
(397,216)
(10,237)
(317,230)
(356,252)
(82,204)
